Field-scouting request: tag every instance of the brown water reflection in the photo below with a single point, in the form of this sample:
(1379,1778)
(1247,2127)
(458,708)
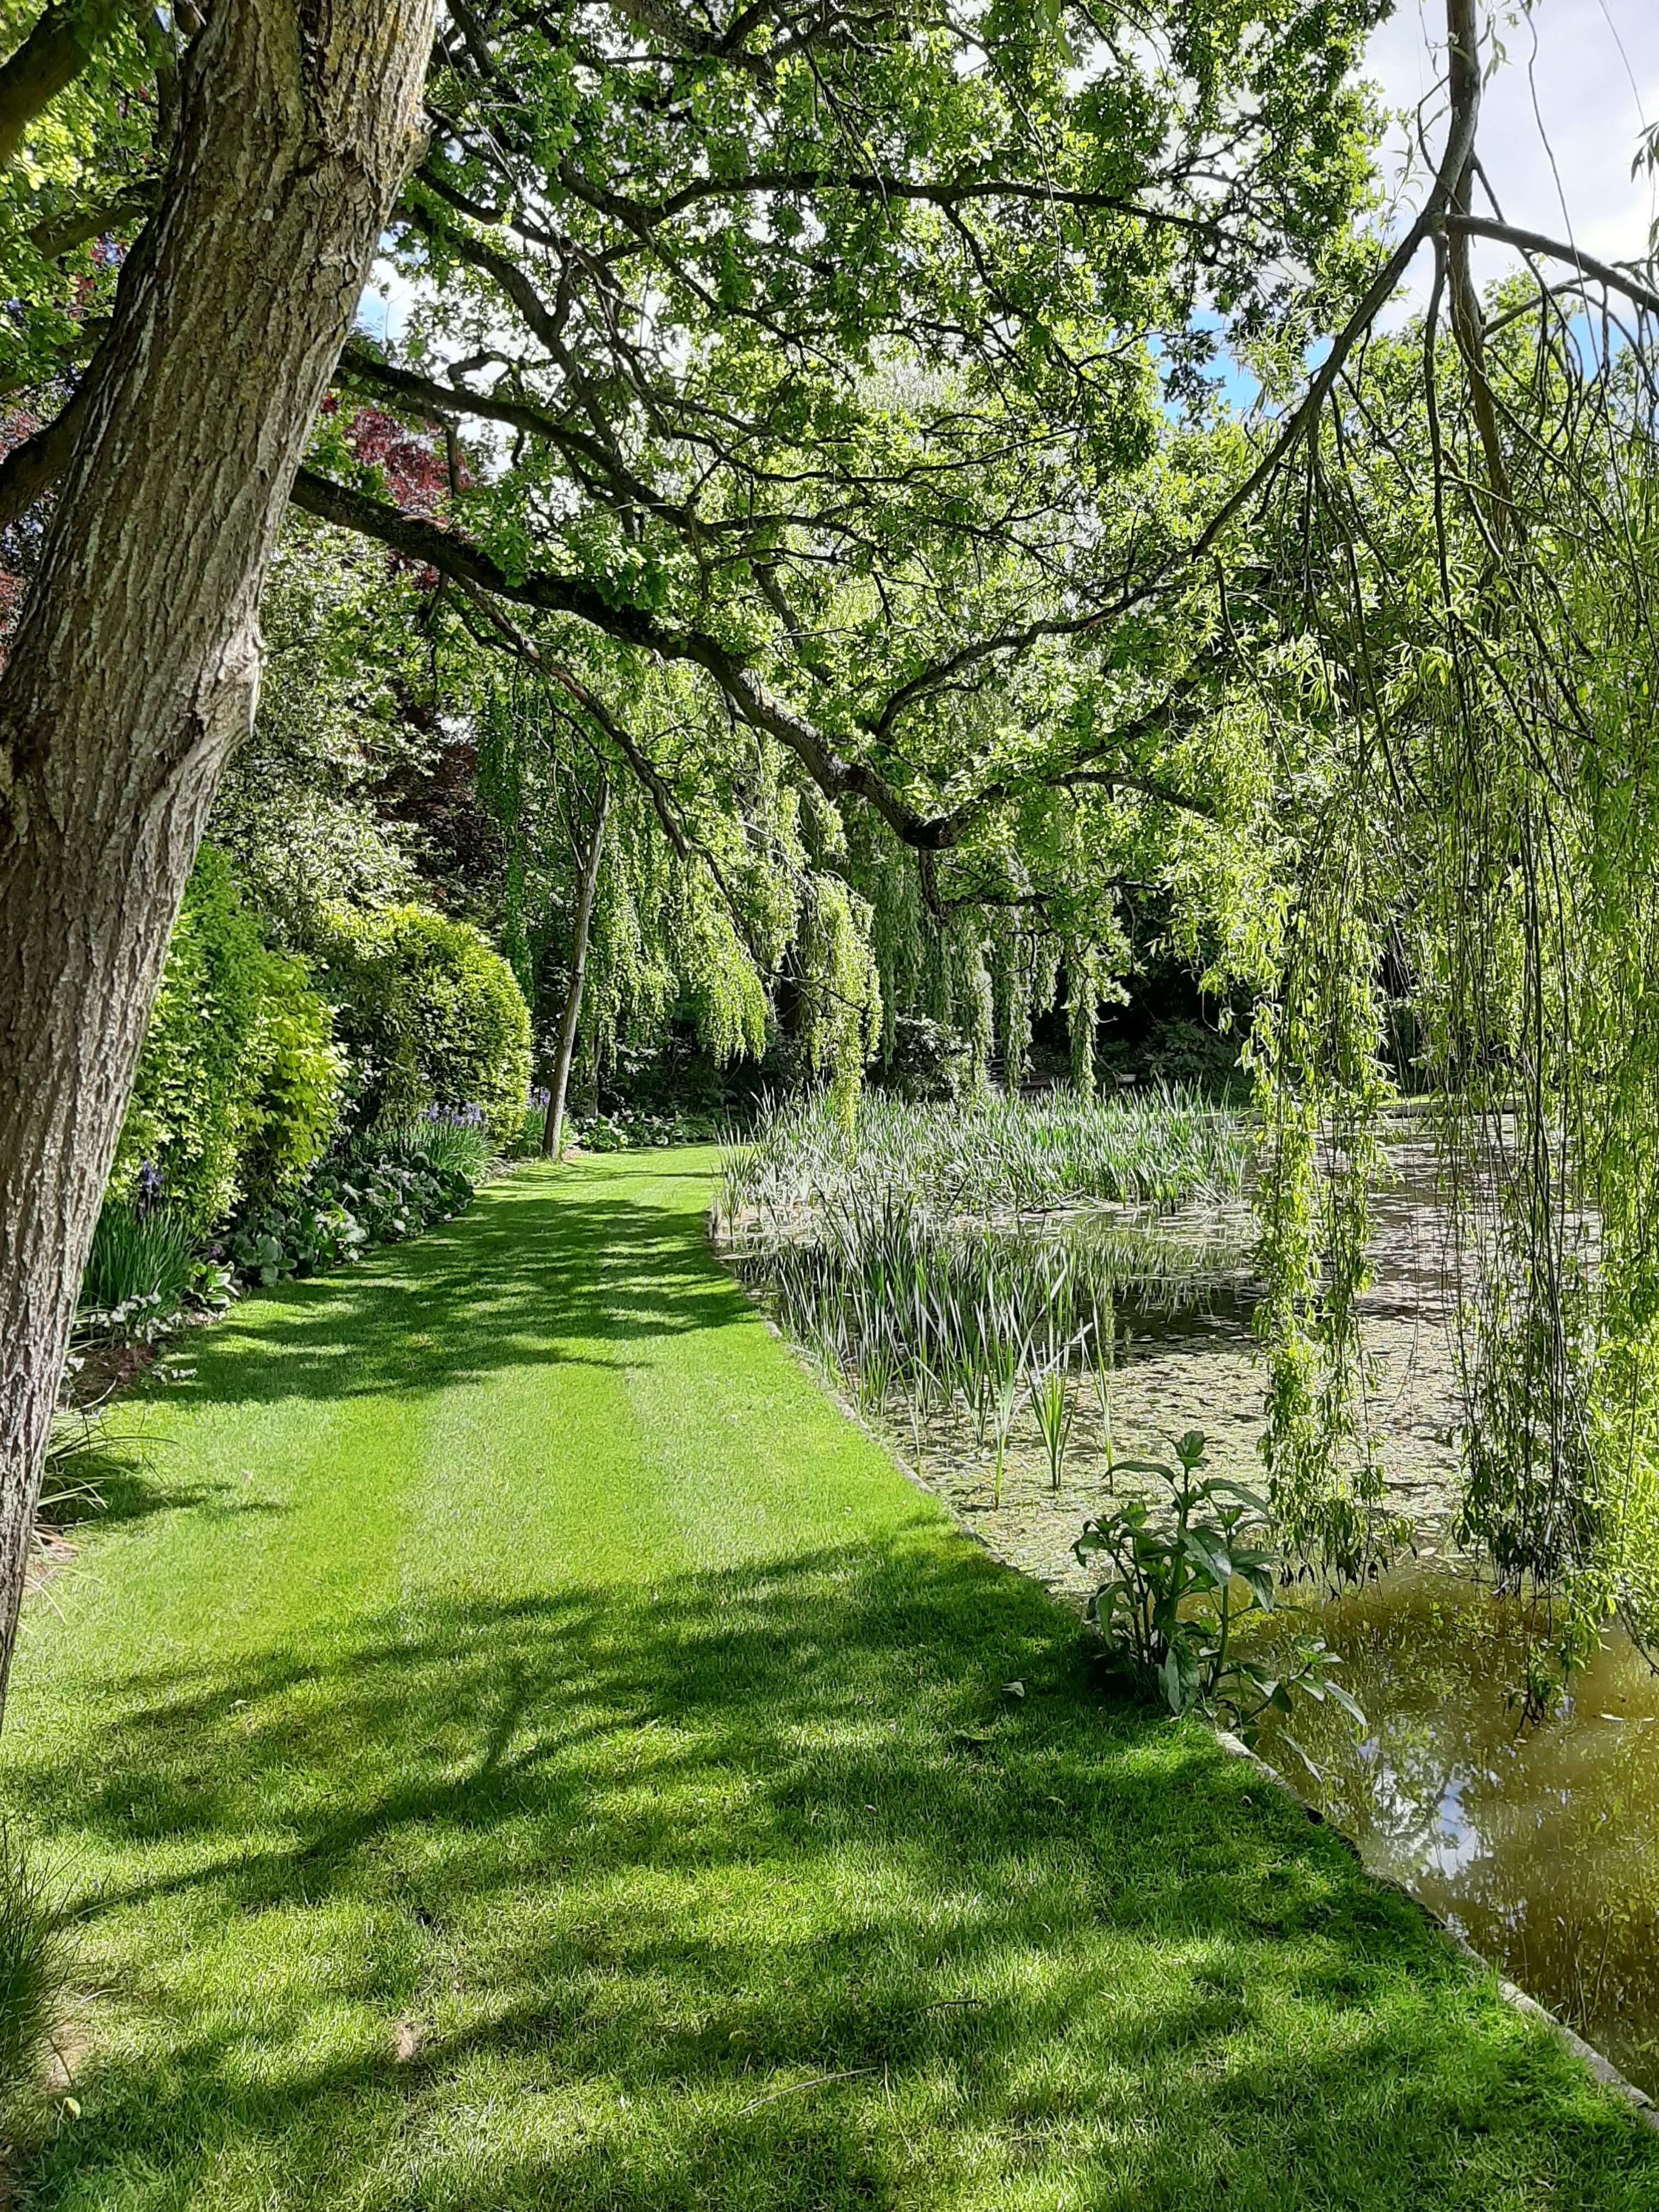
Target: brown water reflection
(1540,1844)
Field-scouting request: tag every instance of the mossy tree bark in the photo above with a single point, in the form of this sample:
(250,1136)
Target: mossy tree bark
(136,665)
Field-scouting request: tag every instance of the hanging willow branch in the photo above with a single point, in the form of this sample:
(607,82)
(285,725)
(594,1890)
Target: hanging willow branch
(1477,548)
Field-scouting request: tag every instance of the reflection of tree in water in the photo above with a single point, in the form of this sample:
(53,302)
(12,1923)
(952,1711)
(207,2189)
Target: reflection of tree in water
(1539,1844)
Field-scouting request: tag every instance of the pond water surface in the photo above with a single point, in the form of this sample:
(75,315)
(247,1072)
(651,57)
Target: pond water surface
(1539,1844)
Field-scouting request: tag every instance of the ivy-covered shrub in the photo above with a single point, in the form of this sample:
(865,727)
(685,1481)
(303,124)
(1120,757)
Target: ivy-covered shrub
(431,1014)
(239,1084)
(929,1061)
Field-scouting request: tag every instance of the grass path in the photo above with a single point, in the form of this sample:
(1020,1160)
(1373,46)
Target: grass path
(515,1744)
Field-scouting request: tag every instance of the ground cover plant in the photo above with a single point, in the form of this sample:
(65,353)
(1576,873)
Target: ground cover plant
(387,1182)
(626,1129)
(578,1768)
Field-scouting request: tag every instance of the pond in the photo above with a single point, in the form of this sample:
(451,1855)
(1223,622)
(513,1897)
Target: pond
(1539,1844)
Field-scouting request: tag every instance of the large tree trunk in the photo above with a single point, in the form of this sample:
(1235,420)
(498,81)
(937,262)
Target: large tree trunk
(136,663)
(553,1127)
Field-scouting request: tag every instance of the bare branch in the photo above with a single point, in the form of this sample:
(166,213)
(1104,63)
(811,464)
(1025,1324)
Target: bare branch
(1554,249)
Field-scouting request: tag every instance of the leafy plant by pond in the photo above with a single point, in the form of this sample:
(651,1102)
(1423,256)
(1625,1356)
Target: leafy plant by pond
(1182,1586)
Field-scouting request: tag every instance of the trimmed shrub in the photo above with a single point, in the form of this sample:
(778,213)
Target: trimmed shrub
(431,1015)
(301,1082)
(239,1084)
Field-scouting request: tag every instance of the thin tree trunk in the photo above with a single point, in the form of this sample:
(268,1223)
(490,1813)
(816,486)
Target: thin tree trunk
(553,1129)
(136,663)
(1468,324)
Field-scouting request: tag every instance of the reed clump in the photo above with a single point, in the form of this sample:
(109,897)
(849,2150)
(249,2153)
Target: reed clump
(966,1261)
(993,1155)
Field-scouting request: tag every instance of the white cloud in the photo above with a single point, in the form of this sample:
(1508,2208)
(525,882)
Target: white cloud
(383,310)
(1560,121)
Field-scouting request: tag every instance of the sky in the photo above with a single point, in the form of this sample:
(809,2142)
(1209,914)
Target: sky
(1560,121)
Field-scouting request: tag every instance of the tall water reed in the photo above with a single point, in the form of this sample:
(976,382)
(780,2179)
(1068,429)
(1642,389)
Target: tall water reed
(904,1252)
(995,1155)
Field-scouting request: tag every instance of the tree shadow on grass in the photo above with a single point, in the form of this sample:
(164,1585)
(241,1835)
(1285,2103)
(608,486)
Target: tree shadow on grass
(529,1277)
(532,1275)
(104,1485)
(755,1888)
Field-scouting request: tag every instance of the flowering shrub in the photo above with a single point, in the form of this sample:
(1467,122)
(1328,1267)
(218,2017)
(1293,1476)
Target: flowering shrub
(145,1275)
(455,1117)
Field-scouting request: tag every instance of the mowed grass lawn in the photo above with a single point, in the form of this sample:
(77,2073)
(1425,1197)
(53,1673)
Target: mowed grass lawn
(516,1745)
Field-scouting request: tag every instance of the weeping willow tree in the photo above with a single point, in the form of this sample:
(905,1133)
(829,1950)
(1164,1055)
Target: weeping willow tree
(1464,560)
(729,893)
(652,873)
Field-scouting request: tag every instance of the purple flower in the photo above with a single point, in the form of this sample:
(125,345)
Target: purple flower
(454,1117)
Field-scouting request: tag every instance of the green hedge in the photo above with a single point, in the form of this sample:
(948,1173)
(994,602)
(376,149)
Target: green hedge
(431,1014)
(239,1083)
